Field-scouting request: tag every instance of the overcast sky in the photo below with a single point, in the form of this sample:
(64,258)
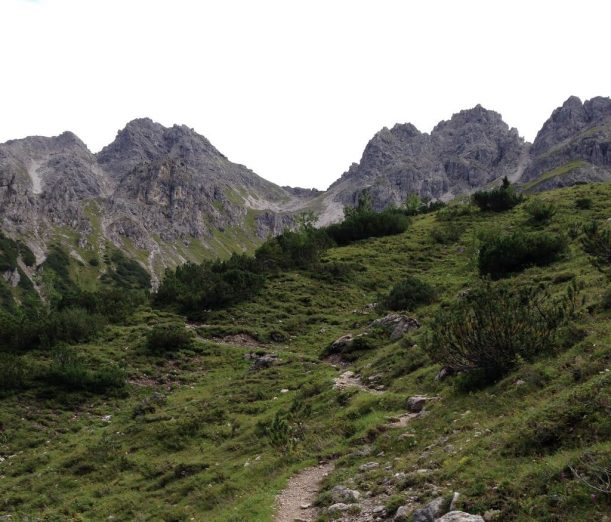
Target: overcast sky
(292,89)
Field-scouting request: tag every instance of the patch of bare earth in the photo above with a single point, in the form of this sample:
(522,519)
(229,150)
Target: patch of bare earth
(296,502)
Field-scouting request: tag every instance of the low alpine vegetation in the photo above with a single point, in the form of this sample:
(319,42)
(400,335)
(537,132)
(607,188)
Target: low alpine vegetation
(497,200)
(167,338)
(501,254)
(492,327)
(540,211)
(409,294)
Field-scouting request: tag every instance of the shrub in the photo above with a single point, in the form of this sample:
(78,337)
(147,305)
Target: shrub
(409,294)
(492,327)
(115,304)
(169,338)
(68,371)
(195,288)
(596,241)
(498,199)
(606,300)
(292,249)
(8,253)
(447,233)
(334,271)
(126,273)
(583,203)
(456,211)
(26,254)
(540,211)
(365,224)
(72,325)
(12,371)
(502,254)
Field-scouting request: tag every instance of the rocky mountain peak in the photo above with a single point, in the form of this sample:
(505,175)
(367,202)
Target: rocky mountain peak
(571,118)
(143,140)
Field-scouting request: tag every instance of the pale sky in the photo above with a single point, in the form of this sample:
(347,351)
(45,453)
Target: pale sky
(292,89)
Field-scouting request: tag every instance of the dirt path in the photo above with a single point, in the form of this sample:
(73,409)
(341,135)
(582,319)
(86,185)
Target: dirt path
(296,501)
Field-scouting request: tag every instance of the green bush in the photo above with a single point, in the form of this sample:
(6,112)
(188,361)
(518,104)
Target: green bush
(8,253)
(606,300)
(113,303)
(72,325)
(168,338)
(502,254)
(409,294)
(126,273)
(292,249)
(365,224)
(583,203)
(12,371)
(498,199)
(447,233)
(454,212)
(596,241)
(492,327)
(210,285)
(68,371)
(540,211)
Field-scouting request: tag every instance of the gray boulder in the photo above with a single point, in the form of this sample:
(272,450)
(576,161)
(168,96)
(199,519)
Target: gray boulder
(432,510)
(341,494)
(397,325)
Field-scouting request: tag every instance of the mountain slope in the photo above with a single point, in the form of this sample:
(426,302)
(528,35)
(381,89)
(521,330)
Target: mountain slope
(193,434)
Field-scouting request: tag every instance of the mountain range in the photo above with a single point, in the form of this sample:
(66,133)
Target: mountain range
(167,195)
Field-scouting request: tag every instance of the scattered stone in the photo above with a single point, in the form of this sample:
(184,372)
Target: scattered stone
(339,345)
(261,360)
(520,382)
(432,511)
(492,514)
(338,508)
(402,514)
(307,505)
(341,494)
(454,502)
(444,373)
(416,403)
(364,451)
(397,325)
(459,516)
(369,466)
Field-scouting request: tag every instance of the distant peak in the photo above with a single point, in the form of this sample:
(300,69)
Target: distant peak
(572,101)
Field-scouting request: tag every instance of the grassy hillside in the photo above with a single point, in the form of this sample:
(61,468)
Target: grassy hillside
(205,433)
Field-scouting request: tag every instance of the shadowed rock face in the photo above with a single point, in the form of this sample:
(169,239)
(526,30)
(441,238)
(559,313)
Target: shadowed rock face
(574,145)
(466,152)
